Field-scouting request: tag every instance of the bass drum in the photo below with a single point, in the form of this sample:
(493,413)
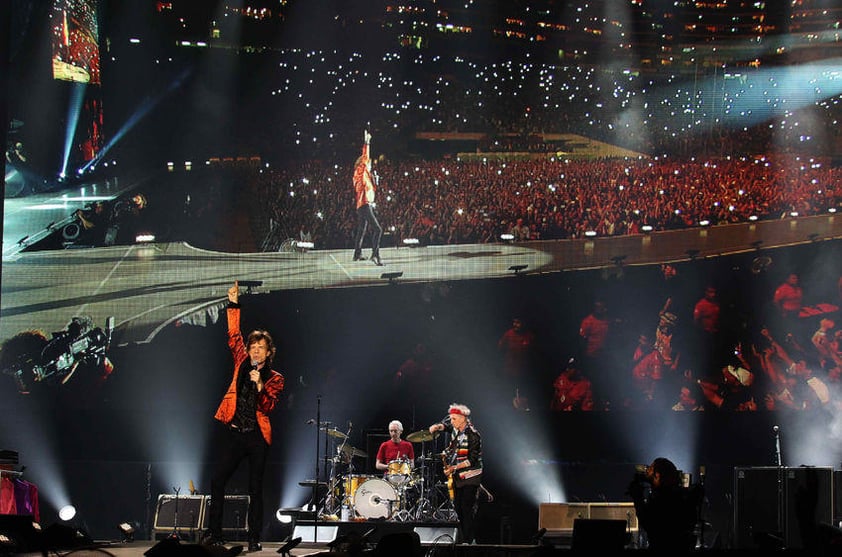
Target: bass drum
(375,499)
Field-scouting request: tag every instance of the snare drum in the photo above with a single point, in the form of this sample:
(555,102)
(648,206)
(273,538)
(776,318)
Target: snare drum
(398,472)
(375,498)
(351,482)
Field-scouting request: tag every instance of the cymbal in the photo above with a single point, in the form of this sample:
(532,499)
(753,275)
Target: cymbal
(353,451)
(333,432)
(421,436)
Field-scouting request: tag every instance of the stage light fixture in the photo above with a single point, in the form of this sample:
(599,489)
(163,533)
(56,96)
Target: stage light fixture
(618,259)
(285,516)
(647,228)
(127,530)
(392,277)
(590,233)
(304,246)
(507,237)
(832,210)
(412,242)
(67,513)
(813,237)
(692,253)
(518,268)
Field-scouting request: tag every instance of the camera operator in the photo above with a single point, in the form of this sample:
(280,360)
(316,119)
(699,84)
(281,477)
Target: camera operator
(665,509)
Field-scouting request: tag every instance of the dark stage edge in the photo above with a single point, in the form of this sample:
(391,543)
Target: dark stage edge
(141,548)
(435,537)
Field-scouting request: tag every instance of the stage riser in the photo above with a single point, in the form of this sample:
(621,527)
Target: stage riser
(328,532)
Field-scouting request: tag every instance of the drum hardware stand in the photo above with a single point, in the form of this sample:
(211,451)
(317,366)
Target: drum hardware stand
(423,508)
(403,515)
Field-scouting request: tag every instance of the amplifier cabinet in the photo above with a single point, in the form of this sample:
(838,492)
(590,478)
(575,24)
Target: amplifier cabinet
(560,517)
(185,510)
(615,511)
(235,514)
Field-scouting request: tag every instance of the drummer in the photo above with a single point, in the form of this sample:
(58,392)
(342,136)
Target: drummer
(396,455)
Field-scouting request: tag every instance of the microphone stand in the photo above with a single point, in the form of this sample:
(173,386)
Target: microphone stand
(316,483)
(174,534)
(780,478)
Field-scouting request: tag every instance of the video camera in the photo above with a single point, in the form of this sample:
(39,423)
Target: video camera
(79,344)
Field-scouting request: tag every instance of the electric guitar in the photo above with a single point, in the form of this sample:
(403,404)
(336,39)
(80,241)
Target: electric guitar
(446,457)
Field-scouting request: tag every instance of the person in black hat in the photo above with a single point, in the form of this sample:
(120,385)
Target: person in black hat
(666,510)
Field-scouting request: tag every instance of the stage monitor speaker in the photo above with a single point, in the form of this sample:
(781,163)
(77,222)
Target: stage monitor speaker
(767,500)
(308,533)
(599,536)
(187,510)
(23,533)
(560,516)
(405,544)
(63,536)
(235,513)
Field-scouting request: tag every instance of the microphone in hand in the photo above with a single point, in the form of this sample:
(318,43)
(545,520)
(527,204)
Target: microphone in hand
(252,380)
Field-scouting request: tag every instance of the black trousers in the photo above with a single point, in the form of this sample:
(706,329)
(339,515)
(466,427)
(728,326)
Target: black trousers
(366,221)
(233,448)
(464,502)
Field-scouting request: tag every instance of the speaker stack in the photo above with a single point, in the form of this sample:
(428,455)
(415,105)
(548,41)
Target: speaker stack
(780,505)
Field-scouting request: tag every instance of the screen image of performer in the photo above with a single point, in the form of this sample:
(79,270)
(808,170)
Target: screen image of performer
(463,465)
(395,456)
(244,412)
(364,197)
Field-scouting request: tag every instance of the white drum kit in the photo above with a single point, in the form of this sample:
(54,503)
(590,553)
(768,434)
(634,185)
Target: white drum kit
(398,495)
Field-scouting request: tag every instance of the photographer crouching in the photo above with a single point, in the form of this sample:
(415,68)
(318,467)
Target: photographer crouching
(666,510)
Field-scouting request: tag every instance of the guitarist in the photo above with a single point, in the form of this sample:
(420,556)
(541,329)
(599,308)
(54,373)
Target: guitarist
(463,465)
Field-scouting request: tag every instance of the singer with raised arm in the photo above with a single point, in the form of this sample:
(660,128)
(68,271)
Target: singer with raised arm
(395,456)
(364,184)
(463,466)
(244,413)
